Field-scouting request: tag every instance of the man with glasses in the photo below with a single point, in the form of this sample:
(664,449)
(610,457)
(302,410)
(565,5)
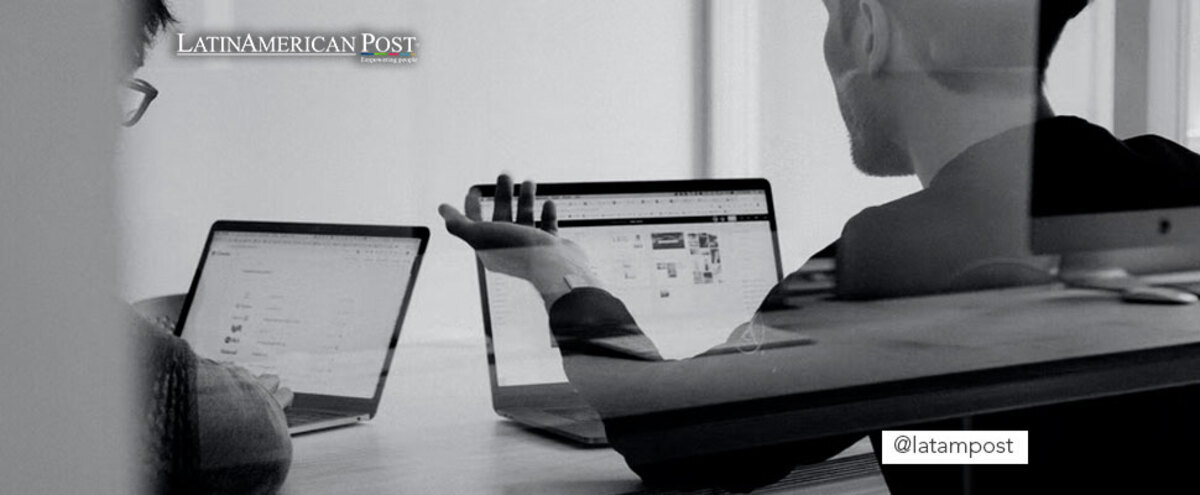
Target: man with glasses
(210,427)
(135,99)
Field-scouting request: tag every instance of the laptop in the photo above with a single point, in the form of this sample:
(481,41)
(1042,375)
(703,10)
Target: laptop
(691,260)
(320,306)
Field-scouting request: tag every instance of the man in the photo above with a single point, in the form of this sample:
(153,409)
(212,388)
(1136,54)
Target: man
(209,427)
(944,89)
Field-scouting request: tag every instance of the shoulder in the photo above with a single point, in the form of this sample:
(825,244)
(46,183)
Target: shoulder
(168,403)
(244,445)
(895,220)
(1163,149)
(925,242)
(159,346)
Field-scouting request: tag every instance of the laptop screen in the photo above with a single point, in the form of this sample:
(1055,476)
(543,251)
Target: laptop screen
(317,310)
(690,266)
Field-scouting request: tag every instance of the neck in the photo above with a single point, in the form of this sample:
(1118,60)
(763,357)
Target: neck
(944,125)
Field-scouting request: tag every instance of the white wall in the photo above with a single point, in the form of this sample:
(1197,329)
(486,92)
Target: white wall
(1193,84)
(804,148)
(803,145)
(64,418)
(554,90)
(1080,79)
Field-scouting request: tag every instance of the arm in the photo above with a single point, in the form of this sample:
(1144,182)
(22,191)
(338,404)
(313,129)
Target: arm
(604,350)
(209,427)
(244,445)
(536,255)
(167,371)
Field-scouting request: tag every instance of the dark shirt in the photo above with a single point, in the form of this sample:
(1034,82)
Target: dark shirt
(1108,174)
(969,229)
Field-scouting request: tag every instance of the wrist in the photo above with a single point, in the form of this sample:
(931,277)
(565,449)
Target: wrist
(564,282)
(580,280)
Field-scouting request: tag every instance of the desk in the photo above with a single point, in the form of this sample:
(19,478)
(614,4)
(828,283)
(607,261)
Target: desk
(875,364)
(891,363)
(436,433)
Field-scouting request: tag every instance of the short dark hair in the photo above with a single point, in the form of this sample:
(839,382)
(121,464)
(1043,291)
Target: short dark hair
(148,19)
(1052,21)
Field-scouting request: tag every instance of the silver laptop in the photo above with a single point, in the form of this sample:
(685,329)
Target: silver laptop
(690,259)
(318,305)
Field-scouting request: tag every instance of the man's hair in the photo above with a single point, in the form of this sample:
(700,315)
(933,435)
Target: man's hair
(148,19)
(959,23)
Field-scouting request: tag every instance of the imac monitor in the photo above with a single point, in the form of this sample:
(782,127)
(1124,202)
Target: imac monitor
(1110,205)
(1109,199)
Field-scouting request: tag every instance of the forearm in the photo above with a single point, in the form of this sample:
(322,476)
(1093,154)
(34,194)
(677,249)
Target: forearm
(617,368)
(244,443)
(590,321)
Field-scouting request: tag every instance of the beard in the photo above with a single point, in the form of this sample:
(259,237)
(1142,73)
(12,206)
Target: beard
(872,148)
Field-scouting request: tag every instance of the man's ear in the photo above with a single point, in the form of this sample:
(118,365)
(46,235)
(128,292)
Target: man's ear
(876,41)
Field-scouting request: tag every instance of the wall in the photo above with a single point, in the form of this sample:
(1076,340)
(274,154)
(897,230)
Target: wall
(1080,79)
(804,148)
(551,90)
(554,90)
(1193,63)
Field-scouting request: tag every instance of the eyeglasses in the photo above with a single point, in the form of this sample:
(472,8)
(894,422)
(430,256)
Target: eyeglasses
(135,99)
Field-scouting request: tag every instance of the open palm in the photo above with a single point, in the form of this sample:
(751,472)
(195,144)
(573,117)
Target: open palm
(520,249)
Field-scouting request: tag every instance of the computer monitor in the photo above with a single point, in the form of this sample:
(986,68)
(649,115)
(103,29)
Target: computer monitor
(1117,205)
(1110,203)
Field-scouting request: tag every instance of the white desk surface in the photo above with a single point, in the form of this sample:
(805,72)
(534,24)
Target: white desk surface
(436,432)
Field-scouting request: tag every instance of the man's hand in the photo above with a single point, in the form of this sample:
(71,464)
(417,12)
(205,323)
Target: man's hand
(519,249)
(282,395)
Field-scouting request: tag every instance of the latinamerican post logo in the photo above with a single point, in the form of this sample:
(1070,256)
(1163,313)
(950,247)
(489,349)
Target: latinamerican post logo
(369,48)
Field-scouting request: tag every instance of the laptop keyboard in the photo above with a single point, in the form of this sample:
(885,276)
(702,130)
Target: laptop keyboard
(1193,287)
(294,417)
(575,413)
(303,417)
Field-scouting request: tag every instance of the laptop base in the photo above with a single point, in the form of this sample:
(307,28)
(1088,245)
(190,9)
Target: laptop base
(588,431)
(325,424)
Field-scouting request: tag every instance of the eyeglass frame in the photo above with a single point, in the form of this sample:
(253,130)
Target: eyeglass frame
(149,93)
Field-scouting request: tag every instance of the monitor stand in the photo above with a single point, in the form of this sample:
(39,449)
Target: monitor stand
(1094,271)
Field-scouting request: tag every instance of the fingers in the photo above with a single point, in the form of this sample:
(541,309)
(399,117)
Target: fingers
(471,205)
(456,223)
(285,397)
(271,382)
(525,203)
(550,218)
(503,210)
